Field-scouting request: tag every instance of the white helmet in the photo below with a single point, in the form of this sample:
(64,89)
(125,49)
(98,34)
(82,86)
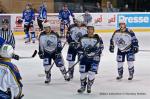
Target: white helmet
(47,24)
(122,20)
(6,51)
(90,25)
(80,19)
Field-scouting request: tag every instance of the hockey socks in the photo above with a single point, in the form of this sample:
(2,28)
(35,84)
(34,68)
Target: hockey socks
(89,85)
(63,71)
(83,85)
(48,77)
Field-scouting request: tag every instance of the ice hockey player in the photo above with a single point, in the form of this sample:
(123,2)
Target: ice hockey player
(90,50)
(127,44)
(10,79)
(64,17)
(28,17)
(50,48)
(75,33)
(42,17)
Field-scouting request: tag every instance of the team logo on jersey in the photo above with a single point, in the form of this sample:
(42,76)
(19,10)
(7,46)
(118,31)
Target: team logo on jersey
(122,40)
(50,43)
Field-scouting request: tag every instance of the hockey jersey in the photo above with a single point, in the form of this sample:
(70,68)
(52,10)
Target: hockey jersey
(76,33)
(49,43)
(65,15)
(42,13)
(91,46)
(10,79)
(124,40)
(28,16)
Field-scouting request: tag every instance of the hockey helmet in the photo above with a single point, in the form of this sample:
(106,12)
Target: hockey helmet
(122,20)
(90,25)
(46,24)
(6,51)
(80,19)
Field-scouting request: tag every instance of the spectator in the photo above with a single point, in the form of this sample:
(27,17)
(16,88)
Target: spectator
(109,6)
(98,7)
(2,8)
(125,9)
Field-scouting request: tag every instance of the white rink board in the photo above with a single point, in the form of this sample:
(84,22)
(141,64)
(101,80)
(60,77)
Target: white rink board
(103,22)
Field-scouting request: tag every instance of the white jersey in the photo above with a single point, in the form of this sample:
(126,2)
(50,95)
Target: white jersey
(9,80)
(78,32)
(48,42)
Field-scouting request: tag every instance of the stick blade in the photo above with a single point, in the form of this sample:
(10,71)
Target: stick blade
(34,54)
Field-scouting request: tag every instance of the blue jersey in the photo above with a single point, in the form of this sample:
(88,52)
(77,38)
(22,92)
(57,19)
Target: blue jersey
(28,16)
(42,13)
(64,15)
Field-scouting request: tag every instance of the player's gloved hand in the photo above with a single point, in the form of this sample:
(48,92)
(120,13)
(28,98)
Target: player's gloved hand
(20,21)
(73,19)
(20,97)
(58,55)
(16,57)
(41,55)
(111,49)
(73,45)
(135,49)
(88,49)
(80,54)
(91,54)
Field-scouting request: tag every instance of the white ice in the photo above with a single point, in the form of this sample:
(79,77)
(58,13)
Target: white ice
(105,83)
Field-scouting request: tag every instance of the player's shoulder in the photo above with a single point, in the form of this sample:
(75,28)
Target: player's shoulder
(42,33)
(129,30)
(13,68)
(54,33)
(96,36)
(72,26)
(117,30)
(84,28)
(9,65)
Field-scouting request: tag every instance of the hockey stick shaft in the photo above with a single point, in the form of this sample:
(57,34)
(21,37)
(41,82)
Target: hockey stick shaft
(28,57)
(79,61)
(54,62)
(144,50)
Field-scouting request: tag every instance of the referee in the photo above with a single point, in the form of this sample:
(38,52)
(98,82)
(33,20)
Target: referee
(6,33)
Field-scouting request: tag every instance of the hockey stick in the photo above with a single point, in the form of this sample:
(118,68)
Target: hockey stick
(41,75)
(33,55)
(79,60)
(144,50)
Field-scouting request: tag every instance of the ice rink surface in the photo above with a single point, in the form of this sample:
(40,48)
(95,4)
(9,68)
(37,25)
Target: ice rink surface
(105,86)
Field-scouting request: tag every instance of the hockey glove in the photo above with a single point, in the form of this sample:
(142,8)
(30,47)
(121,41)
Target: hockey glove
(80,54)
(16,57)
(89,49)
(111,49)
(58,55)
(20,21)
(41,55)
(135,50)
(73,45)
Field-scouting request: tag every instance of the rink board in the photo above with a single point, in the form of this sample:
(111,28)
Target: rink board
(103,22)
